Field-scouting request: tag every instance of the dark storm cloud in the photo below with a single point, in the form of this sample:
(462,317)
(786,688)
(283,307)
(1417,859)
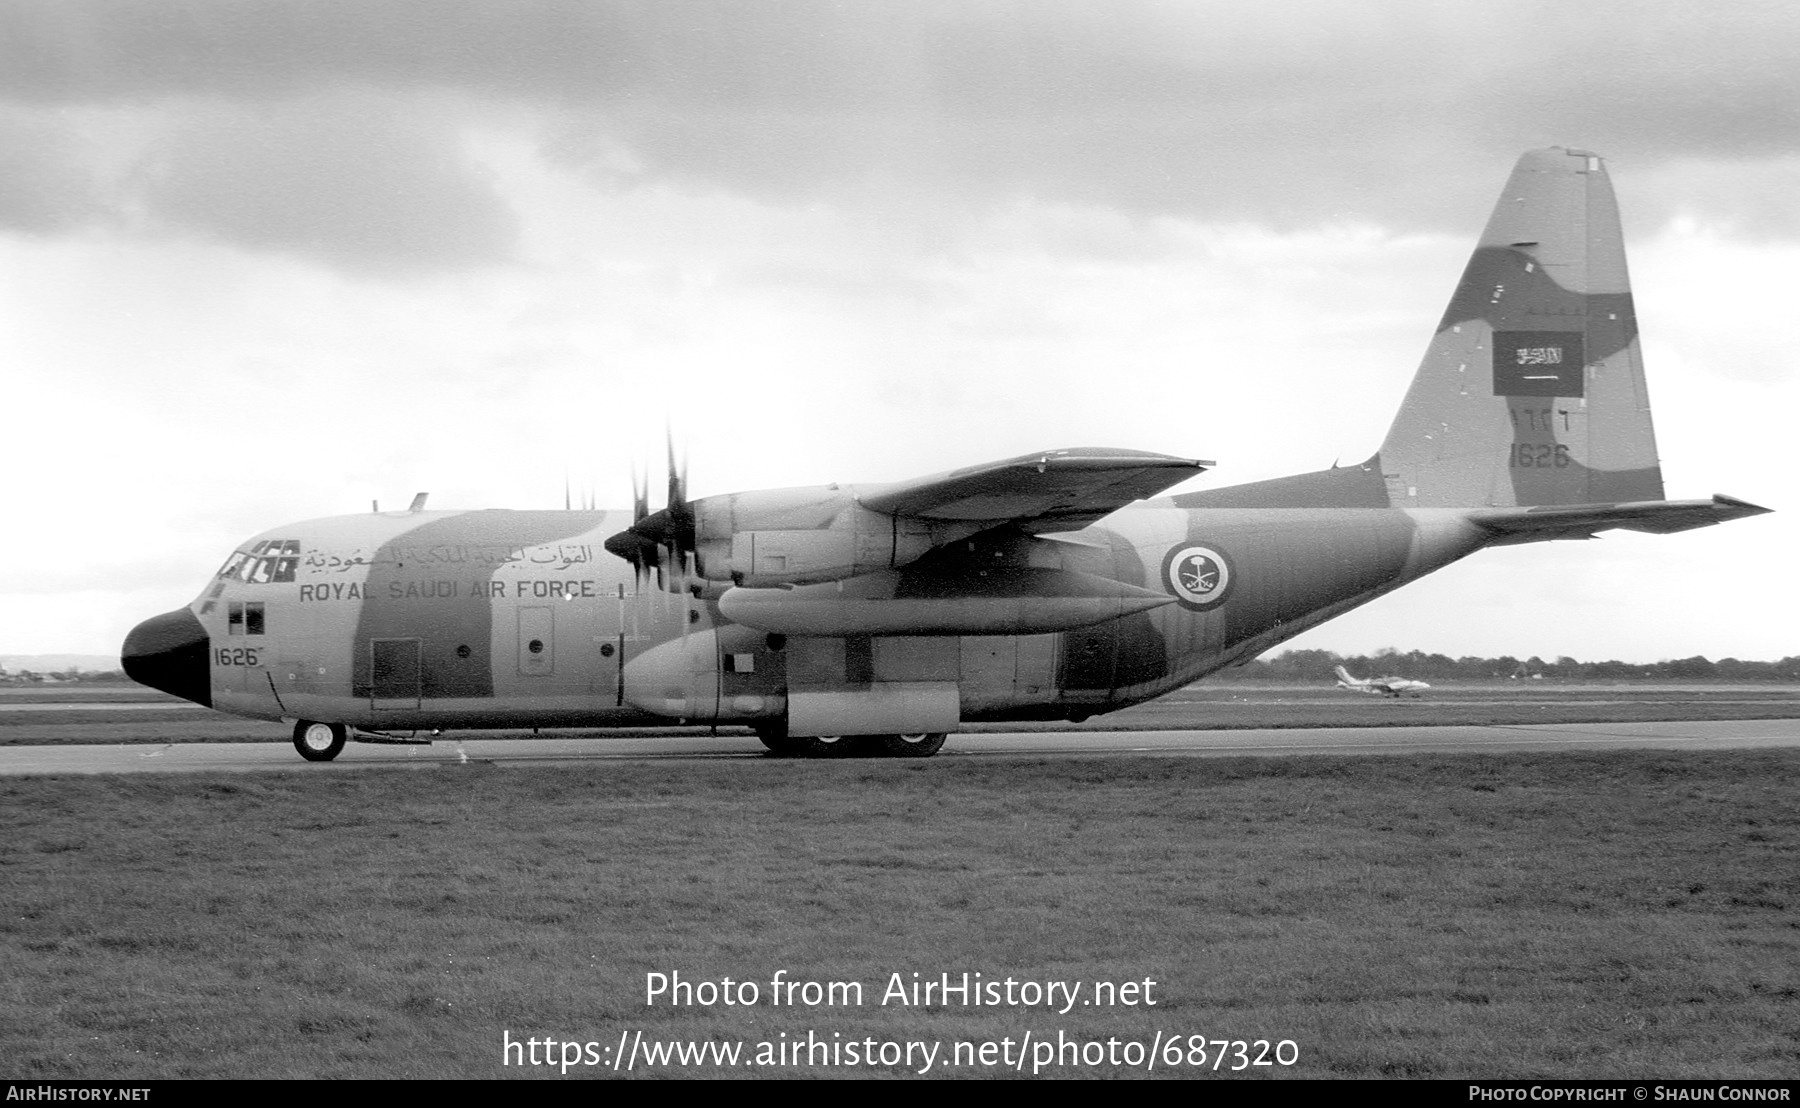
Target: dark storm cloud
(1401,112)
(362,185)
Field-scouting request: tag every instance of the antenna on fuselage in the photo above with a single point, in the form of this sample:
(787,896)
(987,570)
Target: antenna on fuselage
(418,504)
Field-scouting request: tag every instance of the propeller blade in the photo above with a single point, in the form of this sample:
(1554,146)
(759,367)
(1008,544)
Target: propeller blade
(640,494)
(677,476)
(678,535)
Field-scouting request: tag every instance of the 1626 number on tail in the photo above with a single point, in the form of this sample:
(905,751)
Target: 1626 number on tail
(1538,455)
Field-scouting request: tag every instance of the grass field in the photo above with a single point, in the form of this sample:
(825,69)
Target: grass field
(1625,914)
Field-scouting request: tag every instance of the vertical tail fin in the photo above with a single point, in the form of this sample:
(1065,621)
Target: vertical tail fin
(1532,391)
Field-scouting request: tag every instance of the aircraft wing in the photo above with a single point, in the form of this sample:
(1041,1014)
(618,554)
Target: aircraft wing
(1057,490)
(1658,517)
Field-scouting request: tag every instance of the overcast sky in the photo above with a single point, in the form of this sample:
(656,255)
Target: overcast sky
(265,261)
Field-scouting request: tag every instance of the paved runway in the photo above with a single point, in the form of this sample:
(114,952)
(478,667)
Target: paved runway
(197,757)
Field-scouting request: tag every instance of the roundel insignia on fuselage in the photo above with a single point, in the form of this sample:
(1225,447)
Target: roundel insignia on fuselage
(1198,576)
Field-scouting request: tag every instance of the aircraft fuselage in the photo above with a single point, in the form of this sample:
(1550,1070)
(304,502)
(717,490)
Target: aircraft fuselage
(507,619)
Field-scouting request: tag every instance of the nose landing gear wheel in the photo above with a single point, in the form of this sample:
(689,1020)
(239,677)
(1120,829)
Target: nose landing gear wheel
(319,742)
(917,745)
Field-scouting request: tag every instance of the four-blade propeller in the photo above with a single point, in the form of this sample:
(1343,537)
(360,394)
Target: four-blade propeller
(662,541)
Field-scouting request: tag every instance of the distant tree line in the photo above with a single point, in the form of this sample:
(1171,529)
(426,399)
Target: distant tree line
(1312,665)
(83,676)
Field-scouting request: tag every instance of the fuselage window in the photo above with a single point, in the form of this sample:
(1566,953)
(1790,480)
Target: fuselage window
(244,619)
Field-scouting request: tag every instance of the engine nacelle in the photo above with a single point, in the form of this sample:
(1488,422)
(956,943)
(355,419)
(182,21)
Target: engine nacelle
(722,675)
(806,536)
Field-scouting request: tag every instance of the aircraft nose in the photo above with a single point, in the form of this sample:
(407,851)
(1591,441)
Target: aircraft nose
(168,652)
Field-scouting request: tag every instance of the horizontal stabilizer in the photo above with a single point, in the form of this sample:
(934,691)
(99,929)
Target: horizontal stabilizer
(1656,517)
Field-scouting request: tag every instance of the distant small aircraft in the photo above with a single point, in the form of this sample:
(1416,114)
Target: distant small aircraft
(1380,686)
(1053,586)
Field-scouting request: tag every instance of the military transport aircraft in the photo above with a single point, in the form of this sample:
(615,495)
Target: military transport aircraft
(1380,686)
(1044,587)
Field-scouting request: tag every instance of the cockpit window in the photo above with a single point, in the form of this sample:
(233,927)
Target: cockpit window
(271,561)
(234,566)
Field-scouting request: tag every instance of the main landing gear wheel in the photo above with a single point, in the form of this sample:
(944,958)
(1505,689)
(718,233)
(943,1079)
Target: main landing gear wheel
(916,745)
(319,742)
(776,739)
(820,746)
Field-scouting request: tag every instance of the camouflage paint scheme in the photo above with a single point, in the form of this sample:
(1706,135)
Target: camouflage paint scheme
(1040,587)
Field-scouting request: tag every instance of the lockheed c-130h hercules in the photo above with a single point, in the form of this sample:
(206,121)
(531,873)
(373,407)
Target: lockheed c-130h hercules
(1043,587)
